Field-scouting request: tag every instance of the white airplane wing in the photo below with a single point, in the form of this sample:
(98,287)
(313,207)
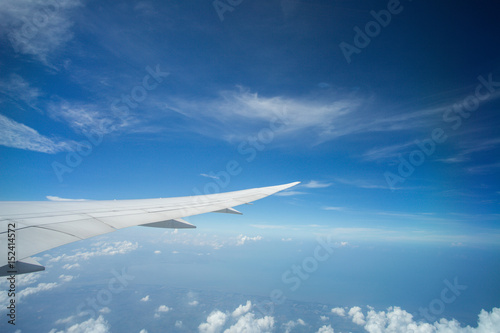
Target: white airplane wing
(31,227)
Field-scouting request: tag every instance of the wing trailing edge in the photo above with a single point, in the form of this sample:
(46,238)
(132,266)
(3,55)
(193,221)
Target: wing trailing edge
(170,224)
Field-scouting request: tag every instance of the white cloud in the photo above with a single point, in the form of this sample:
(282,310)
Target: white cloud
(484,168)
(105,310)
(71,266)
(102,249)
(242,309)
(242,239)
(66,278)
(267,226)
(209,176)
(396,320)
(339,311)
(214,241)
(388,152)
(157,252)
(192,299)
(35,290)
(249,324)
(22,280)
(178,323)
(90,119)
(316,184)
(143,331)
(161,309)
(338,209)
(17,135)
(324,318)
(357,315)
(240,320)
(19,89)
(215,322)
(326,329)
(197,239)
(363,184)
(319,118)
(28,279)
(53,28)
(53,198)
(65,320)
(145,298)
(455,159)
(283,116)
(291,324)
(98,325)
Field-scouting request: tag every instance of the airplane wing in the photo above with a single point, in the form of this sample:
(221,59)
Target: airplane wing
(31,227)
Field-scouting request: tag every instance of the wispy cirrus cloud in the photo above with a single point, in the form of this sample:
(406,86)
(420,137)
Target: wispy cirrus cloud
(209,176)
(289,193)
(338,209)
(20,136)
(484,168)
(20,90)
(89,118)
(388,152)
(316,184)
(468,148)
(361,183)
(37,27)
(237,114)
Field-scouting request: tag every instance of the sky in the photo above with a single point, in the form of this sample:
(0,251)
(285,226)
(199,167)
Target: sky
(385,111)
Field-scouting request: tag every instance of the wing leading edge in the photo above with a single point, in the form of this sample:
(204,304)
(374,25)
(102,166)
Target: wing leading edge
(44,225)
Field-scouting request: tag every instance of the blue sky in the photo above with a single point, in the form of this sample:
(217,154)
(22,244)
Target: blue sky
(386,112)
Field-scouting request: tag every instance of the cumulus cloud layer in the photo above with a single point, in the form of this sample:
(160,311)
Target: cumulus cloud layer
(99,249)
(98,325)
(28,281)
(245,319)
(397,320)
(213,241)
